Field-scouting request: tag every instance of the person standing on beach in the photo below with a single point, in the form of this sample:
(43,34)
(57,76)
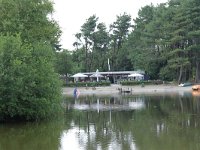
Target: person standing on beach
(76,92)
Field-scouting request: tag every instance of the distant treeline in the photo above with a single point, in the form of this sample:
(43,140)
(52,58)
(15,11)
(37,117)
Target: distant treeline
(164,41)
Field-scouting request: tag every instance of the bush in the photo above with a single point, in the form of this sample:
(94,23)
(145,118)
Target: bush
(29,89)
(149,82)
(88,84)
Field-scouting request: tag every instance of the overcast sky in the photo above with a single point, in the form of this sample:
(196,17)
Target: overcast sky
(72,14)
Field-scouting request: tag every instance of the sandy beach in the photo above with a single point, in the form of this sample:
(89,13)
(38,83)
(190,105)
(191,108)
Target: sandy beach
(113,89)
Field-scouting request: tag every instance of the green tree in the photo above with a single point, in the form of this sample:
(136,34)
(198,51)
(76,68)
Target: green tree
(64,64)
(78,57)
(30,18)
(120,30)
(100,48)
(141,42)
(192,11)
(30,89)
(182,44)
(85,38)
(94,42)
(177,55)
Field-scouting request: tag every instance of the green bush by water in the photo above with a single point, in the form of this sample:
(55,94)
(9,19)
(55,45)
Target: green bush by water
(142,82)
(29,89)
(88,84)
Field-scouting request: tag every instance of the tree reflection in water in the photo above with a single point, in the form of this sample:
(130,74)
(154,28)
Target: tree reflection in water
(133,122)
(140,122)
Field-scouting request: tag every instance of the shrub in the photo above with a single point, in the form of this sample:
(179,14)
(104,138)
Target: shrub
(29,89)
(149,82)
(89,84)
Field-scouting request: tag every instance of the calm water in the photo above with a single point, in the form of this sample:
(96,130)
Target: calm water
(142,122)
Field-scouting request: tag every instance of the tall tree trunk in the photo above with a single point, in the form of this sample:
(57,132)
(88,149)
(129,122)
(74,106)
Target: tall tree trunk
(86,56)
(89,62)
(197,72)
(180,74)
(112,62)
(114,58)
(102,61)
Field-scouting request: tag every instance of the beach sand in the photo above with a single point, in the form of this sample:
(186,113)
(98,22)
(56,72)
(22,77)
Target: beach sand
(113,89)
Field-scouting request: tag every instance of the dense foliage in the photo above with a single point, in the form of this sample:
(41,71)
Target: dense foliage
(30,88)
(163,41)
(142,83)
(88,84)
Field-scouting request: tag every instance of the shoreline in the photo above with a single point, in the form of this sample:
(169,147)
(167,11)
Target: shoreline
(113,90)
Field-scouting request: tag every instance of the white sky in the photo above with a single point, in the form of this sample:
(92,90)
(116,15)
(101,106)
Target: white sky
(72,14)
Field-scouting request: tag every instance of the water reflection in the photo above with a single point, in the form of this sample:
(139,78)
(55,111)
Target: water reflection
(135,122)
(140,122)
(31,136)
(96,131)
(113,103)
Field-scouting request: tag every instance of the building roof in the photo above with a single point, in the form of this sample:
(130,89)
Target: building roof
(115,72)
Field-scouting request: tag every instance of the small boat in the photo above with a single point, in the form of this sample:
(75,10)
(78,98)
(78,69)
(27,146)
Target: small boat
(185,84)
(196,87)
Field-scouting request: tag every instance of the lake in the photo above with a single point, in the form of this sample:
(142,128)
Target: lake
(119,122)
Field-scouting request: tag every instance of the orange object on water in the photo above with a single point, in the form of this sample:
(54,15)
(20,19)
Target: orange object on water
(196,87)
